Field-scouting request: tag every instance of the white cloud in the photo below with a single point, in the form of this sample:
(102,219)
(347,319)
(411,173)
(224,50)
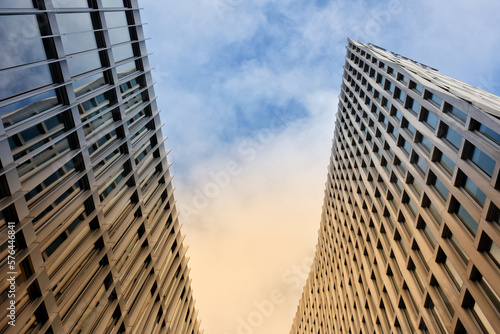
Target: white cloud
(251,202)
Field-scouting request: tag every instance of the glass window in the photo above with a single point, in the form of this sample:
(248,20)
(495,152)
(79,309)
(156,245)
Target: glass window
(471,188)
(78,42)
(481,319)
(494,252)
(466,218)
(115,19)
(399,94)
(24,109)
(445,162)
(435,213)
(83,63)
(458,248)
(33,138)
(482,160)
(451,136)
(454,275)
(20,39)
(411,205)
(70,3)
(421,165)
(88,84)
(434,99)
(112,3)
(416,87)
(429,236)
(439,187)
(412,105)
(405,145)
(58,175)
(126,69)
(19,80)
(429,118)
(402,78)
(414,185)
(409,127)
(455,112)
(487,132)
(74,22)
(16,4)
(118,35)
(122,52)
(424,143)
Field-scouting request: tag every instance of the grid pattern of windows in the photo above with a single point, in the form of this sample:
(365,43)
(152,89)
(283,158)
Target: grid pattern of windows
(84,175)
(409,237)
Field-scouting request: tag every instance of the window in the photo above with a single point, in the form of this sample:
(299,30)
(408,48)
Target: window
(455,112)
(445,162)
(456,245)
(487,132)
(420,163)
(453,273)
(386,103)
(485,286)
(471,189)
(408,127)
(416,87)
(405,146)
(450,136)
(399,95)
(493,251)
(465,218)
(481,160)
(434,212)
(424,142)
(412,105)
(427,233)
(433,98)
(403,79)
(414,185)
(396,114)
(439,186)
(429,118)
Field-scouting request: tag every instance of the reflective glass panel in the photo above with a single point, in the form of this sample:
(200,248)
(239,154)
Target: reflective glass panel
(118,35)
(483,161)
(112,3)
(83,63)
(79,42)
(16,4)
(88,84)
(70,3)
(21,40)
(122,52)
(115,19)
(24,79)
(19,111)
(74,22)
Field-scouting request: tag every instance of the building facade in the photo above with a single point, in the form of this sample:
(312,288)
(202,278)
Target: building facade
(410,231)
(90,240)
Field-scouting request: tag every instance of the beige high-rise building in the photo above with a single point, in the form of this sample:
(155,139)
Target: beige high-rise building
(89,231)
(410,232)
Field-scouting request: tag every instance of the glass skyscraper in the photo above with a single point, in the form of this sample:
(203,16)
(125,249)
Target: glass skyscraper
(90,238)
(410,231)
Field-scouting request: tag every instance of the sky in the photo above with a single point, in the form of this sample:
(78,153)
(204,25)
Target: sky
(248,92)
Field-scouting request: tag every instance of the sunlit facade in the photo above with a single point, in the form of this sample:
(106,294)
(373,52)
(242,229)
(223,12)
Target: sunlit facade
(84,176)
(410,232)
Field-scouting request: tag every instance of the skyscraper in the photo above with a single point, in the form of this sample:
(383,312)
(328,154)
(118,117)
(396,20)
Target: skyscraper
(410,231)
(90,238)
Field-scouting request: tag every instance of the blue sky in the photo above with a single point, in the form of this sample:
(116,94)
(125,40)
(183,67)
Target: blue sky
(248,92)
